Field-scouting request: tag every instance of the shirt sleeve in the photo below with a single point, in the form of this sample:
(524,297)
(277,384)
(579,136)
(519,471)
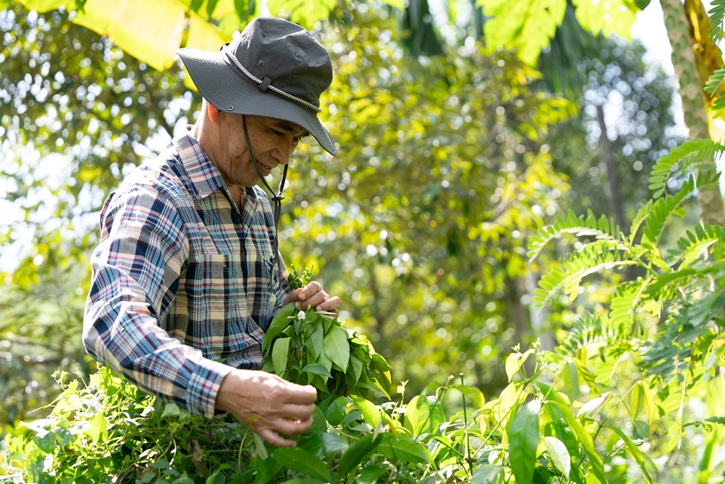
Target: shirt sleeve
(135,274)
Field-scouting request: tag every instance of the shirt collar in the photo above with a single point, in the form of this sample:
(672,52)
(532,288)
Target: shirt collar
(205,177)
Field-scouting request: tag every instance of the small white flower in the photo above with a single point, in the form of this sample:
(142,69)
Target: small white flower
(301,315)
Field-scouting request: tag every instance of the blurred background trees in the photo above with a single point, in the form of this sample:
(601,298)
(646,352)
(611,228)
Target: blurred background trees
(452,156)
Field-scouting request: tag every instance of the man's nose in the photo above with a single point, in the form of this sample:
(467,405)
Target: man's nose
(283,152)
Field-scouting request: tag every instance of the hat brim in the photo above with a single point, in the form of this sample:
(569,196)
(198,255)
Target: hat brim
(219,83)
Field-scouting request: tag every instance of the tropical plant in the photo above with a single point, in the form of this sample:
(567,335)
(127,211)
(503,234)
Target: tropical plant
(312,348)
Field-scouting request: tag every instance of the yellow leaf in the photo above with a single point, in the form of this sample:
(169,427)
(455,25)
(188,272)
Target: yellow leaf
(606,17)
(204,36)
(42,6)
(149,31)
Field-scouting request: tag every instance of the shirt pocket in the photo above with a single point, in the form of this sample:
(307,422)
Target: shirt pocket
(215,298)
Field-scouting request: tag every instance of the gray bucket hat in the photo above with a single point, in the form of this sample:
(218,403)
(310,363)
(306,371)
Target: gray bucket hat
(275,68)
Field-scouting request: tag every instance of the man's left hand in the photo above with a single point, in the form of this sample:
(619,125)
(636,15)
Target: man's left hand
(313,295)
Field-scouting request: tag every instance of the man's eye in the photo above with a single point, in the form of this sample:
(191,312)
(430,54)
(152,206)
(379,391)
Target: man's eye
(277,133)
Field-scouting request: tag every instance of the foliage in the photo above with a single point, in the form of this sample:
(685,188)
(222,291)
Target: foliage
(527,26)
(541,429)
(714,84)
(421,222)
(76,114)
(312,348)
(668,320)
(296,280)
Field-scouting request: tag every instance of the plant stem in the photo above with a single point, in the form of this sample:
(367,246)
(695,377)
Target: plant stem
(467,455)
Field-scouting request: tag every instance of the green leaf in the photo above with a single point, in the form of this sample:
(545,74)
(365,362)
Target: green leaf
(585,440)
(314,343)
(319,422)
(645,463)
(46,443)
(266,470)
(322,444)
(303,480)
(337,348)
(216,478)
(368,409)
(356,453)
(371,474)
(559,455)
(474,395)
(317,369)
(488,474)
(379,363)
(279,355)
(336,411)
(523,440)
(641,4)
(403,448)
(97,429)
(280,321)
(637,400)
(570,376)
(561,429)
(525,26)
(590,408)
(640,430)
(171,410)
(302,461)
(610,17)
(514,362)
(160,464)
(356,368)
(423,414)
(210,6)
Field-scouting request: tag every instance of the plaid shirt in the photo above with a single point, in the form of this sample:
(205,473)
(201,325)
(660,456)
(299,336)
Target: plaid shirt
(182,279)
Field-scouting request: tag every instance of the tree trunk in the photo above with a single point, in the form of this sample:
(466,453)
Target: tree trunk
(684,37)
(615,199)
(539,316)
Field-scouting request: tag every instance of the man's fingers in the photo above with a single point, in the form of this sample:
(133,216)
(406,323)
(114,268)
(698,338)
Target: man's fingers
(298,394)
(330,304)
(297,412)
(294,427)
(313,287)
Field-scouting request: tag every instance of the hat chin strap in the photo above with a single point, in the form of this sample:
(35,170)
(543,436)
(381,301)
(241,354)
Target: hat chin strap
(276,198)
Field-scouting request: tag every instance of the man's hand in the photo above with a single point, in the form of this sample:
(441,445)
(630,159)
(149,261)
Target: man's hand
(312,295)
(267,404)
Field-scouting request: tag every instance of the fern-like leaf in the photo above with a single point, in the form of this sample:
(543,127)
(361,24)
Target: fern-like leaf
(717,16)
(693,245)
(587,330)
(684,158)
(592,258)
(664,209)
(624,305)
(603,228)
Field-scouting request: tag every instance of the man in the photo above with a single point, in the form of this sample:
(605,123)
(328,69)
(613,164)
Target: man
(187,276)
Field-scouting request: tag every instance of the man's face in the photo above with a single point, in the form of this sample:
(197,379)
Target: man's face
(273,142)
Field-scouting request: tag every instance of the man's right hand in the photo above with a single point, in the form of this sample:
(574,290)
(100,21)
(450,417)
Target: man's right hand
(267,404)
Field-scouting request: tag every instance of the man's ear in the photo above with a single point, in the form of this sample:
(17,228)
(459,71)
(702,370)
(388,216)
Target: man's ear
(214,113)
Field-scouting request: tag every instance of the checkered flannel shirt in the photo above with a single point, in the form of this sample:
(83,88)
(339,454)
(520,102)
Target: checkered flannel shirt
(182,279)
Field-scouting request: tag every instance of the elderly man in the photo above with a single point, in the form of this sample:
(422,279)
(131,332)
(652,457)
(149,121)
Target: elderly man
(187,276)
